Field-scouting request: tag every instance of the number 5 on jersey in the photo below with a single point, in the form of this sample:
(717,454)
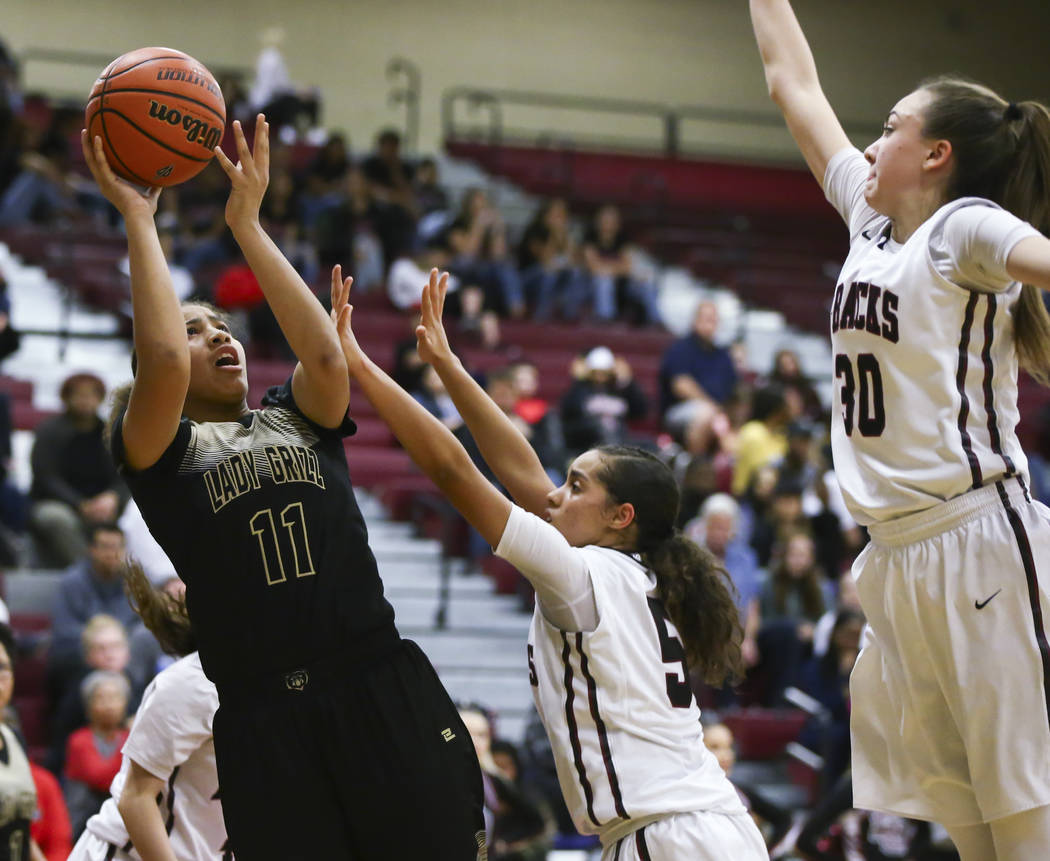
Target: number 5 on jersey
(679,691)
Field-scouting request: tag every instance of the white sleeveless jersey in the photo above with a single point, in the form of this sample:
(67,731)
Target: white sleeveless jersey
(925,404)
(616,703)
(171,738)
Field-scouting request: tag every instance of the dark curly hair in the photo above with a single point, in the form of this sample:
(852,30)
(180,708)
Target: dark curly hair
(694,587)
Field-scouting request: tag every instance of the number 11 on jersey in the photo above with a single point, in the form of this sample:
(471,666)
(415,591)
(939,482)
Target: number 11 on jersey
(297,545)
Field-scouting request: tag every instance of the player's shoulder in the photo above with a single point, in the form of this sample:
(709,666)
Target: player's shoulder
(610,567)
(183,680)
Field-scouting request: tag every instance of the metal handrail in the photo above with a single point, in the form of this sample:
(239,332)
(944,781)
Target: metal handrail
(670,116)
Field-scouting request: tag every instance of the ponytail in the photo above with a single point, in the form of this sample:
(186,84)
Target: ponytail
(164,616)
(1002,153)
(695,589)
(698,595)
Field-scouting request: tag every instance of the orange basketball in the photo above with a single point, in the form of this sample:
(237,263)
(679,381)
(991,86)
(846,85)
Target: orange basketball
(159,113)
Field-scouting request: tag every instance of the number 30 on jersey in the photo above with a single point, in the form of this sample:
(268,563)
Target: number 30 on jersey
(861,394)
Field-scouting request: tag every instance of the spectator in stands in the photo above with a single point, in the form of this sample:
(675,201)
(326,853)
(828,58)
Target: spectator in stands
(516,828)
(408,273)
(325,181)
(694,372)
(75,484)
(540,423)
(430,195)
(18,797)
(93,751)
(360,229)
(478,240)
(433,396)
(615,290)
(602,399)
(92,585)
(389,176)
(547,259)
(273,93)
(846,598)
(826,679)
(51,829)
(104,646)
(772,819)
(716,530)
(787,372)
(761,440)
(524,846)
(44,189)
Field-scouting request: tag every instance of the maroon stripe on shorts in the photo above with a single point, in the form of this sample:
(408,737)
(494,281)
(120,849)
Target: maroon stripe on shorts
(1028,560)
(639,841)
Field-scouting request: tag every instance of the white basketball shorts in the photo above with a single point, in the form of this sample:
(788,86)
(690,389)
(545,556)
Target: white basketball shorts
(700,836)
(949,715)
(92,848)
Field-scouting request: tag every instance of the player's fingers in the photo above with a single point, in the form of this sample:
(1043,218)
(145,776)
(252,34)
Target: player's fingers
(442,290)
(337,279)
(224,162)
(243,153)
(101,163)
(262,145)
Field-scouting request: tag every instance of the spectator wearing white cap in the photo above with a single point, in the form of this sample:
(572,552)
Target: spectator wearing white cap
(602,399)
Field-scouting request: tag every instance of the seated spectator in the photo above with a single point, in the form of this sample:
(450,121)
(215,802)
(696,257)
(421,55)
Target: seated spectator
(517,829)
(325,180)
(787,373)
(75,483)
(46,189)
(694,373)
(432,395)
(389,176)
(359,233)
(826,679)
(761,440)
(478,241)
(602,399)
(846,598)
(93,751)
(104,647)
(772,819)
(540,424)
(429,193)
(547,259)
(790,604)
(91,586)
(716,530)
(408,274)
(615,290)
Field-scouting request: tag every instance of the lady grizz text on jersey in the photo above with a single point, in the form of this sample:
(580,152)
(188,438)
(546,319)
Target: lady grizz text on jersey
(239,473)
(868,307)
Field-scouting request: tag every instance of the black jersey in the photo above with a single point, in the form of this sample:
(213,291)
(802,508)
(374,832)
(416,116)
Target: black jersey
(260,520)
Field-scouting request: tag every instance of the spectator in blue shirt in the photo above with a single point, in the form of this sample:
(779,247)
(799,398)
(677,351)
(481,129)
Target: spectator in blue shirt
(694,372)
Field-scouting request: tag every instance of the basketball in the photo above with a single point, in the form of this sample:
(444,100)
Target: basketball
(160,115)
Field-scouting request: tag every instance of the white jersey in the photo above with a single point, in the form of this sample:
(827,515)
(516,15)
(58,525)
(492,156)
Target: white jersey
(616,702)
(925,360)
(171,738)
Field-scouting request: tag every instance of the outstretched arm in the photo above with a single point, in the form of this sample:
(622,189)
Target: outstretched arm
(1029,262)
(510,456)
(138,808)
(159,334)
(791,75)
(319,382)
(428,442)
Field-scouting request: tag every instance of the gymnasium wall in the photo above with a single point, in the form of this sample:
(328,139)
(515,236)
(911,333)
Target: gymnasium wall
(674,51)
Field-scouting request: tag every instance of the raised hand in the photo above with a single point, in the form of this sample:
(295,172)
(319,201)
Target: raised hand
(127,198)
(431,340)
(250,176)
(341,314)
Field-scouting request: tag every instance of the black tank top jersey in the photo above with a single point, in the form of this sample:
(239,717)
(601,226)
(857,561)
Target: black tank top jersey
(260,520)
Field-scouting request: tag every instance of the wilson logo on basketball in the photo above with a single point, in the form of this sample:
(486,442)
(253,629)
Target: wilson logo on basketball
(197,131)
(166,170)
